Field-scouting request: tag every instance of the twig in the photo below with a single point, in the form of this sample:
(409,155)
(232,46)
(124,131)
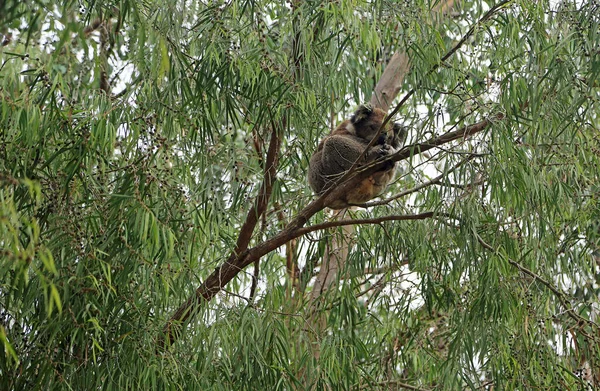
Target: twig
(377,220)
(423,185)
(254,283)
(401,385)
(559,295)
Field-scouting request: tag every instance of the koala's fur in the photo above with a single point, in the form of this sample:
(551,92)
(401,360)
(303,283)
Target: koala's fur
(339,150)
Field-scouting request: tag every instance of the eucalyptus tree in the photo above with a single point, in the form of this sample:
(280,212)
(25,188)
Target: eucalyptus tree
(157,230)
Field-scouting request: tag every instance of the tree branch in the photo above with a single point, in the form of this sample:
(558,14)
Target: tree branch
(410,93)
(423,185)
(220,277)
(390,82)
(400,385)
(376,220)
(243,257)
(559,295)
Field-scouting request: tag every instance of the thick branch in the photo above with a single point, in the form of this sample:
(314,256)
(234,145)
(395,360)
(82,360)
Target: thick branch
(264,194)
(241,258)
(390,82)
(223,274)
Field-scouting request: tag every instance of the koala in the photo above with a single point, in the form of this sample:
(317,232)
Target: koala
(338,151)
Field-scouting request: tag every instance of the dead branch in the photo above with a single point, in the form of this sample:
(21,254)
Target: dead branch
(390,82)
(336,253)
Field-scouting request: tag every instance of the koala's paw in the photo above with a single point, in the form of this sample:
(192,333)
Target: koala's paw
(363,112)
(383,151)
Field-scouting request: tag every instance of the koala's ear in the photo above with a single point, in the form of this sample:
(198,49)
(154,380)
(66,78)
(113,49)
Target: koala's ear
(400,132)
(362,113)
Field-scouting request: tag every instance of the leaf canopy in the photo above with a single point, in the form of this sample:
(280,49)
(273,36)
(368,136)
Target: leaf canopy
(134,141)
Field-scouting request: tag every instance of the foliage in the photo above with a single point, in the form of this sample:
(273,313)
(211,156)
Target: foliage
(133,142)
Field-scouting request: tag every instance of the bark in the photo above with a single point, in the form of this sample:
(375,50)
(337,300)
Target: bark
(391,80)
(334,259)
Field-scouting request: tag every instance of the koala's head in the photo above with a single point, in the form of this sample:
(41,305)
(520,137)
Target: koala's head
(367,121)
